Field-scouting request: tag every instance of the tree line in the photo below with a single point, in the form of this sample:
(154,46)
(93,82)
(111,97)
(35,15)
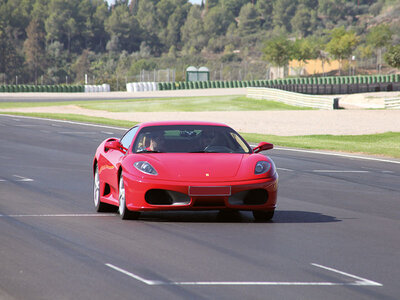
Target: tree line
(54,41)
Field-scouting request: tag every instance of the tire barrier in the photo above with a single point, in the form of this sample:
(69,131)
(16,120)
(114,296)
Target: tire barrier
(291,98)
(332,85)
(133,87)
(104,88)
(21,88)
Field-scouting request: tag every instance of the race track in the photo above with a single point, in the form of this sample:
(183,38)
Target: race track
(335,234)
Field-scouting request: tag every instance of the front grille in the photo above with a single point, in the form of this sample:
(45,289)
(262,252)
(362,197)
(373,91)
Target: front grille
(250,197)
(165,197)
(209,202)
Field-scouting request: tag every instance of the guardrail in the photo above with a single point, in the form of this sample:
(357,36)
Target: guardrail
(392,103)
(291,98)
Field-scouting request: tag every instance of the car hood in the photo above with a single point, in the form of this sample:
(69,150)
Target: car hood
(196,166)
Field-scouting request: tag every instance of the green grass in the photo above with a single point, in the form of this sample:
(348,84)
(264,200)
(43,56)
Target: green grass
(385,144)
(206,103)
(216,103)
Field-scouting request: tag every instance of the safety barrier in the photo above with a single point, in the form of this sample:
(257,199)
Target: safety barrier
(291,98)
(133,87)
(307,85)
(392,103)
(22,88)
(104,88)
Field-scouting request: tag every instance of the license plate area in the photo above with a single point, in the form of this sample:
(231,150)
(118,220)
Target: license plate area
(209,190)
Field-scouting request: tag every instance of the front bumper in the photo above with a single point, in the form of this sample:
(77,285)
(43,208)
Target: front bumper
(154,195)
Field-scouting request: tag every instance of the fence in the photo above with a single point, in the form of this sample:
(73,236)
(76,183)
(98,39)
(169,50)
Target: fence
(393,103)
(291,98)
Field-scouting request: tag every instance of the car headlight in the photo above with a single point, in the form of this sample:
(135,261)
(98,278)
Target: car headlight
(145,167)
(262,167)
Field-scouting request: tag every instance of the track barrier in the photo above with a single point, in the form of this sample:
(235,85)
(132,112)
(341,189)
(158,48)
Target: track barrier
(291,98)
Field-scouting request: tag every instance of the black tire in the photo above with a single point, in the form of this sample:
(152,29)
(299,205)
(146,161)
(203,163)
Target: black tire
(124,213)
(98,205)
(263,216)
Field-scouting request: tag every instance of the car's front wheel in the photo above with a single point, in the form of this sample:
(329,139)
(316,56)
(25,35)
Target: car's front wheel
(99,206)
(124,213)
(263,216)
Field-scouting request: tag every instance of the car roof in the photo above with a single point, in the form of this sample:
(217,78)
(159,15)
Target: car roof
(166,123)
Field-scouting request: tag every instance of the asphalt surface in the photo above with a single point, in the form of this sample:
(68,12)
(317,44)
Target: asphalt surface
(335,235)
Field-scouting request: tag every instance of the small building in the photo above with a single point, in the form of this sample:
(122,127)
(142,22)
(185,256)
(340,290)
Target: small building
(194,74)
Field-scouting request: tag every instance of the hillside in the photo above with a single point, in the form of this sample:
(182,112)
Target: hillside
(56,41)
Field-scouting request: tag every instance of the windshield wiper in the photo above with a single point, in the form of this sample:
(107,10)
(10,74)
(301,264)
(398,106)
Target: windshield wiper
(148,151)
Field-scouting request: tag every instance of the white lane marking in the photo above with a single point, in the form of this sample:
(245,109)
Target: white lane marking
(339,171)
(21,178)
(77,132)
(66,122)
(388,172)
(360,281)
(283,169)
(338,154)
(137,277)
(59,215)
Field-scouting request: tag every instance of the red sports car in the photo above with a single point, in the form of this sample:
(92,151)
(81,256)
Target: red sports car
(183,166)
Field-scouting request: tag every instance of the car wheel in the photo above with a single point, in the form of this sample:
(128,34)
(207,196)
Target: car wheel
(262,216)
(99,206)
(124,213)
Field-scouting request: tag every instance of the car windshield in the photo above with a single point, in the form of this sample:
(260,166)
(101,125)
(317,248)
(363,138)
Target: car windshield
(189,139)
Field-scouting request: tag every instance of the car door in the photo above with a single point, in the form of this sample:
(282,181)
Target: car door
(110,161)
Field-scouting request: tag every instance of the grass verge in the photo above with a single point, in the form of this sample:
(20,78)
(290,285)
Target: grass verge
(77,118)
(204,103)
(385,144)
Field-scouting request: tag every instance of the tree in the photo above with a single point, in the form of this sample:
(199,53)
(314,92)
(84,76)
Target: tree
(283,12)
(303,21)
(392,56)
(217,21)
(264,8)
(278,51)
(92,17)
(379,37)
(34,48)
(147,18)
(342,44)
(124,26)
(233,6)
(11,61)
(175,23)
(192,32)
(249,21)
(82,65)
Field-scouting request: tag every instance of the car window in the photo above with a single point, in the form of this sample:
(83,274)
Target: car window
(128,137)
(189,139)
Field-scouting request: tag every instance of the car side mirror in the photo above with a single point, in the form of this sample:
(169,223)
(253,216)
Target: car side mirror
(262,147)
(114,145)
